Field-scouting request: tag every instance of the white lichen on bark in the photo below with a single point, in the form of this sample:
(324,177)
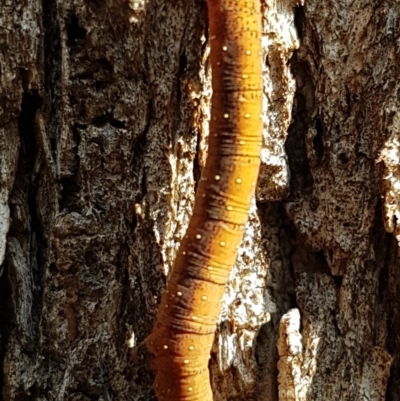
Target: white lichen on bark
(244,309)
(280,40)
(390,184)
(9,149)
(292,383)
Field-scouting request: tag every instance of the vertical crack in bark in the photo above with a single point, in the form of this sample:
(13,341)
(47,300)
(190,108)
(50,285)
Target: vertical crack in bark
(299,17)
(52,72)
(31,102)
(277,234)
(387,249)
(301,180)
(28,230)
(138,155)
(21,285)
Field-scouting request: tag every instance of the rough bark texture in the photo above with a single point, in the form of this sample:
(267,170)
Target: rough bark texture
(104,107)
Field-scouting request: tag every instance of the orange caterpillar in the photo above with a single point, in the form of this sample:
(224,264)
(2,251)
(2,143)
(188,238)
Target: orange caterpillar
(186,321)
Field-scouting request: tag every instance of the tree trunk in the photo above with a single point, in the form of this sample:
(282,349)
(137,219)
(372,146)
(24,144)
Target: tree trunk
(104,109)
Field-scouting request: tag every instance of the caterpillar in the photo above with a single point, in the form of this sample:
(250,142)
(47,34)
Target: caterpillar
(183,334)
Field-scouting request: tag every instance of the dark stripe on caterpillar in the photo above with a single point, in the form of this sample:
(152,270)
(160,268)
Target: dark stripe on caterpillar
(186,320)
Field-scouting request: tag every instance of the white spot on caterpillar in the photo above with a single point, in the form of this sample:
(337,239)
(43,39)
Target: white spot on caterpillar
(191,348)
(179,294)
(226,115)
(217,178)
(198,236)
(242,142)
(204,298)
(230,208)
(165,346)
(186,361)
(224,48)
(247,115)
(248,52)
(238,180)
(222,243)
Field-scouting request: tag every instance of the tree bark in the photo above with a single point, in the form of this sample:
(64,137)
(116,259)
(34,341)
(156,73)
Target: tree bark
(104,109)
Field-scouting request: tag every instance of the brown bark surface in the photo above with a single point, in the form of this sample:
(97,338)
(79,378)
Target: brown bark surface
(104,109)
